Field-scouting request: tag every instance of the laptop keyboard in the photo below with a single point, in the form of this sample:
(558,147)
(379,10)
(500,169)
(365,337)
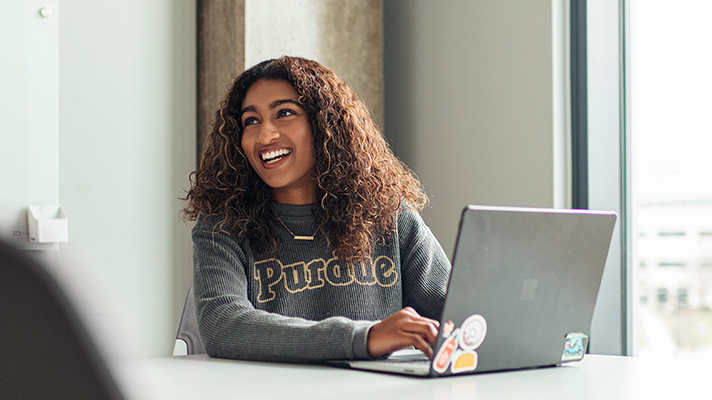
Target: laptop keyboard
(399,360)
(408,355)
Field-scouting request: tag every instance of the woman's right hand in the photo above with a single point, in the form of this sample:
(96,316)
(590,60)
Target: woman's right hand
(402,329)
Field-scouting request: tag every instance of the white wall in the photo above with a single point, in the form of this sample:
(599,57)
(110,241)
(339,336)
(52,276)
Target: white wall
(475,103)
(127,144)
(28,114)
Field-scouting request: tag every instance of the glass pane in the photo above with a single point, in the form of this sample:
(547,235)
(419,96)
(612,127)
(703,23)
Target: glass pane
(671,103)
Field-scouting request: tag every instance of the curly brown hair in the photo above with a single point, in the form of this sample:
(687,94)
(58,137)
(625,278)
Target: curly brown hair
(361,185)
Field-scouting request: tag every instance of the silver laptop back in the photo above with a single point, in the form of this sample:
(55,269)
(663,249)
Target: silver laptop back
(523,288)
(521,293)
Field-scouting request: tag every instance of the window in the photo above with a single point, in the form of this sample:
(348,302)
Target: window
(682,297)
(647,157)
(603,131)
(671,198)
(662,296)
(671,264)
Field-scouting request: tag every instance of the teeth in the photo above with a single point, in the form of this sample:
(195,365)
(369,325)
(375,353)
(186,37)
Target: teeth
(268,156)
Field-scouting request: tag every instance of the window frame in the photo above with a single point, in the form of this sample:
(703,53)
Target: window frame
(601,154)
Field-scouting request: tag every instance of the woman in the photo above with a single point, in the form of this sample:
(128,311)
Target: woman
(309,244)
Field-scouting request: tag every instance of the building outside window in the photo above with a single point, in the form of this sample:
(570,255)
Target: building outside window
(672,177)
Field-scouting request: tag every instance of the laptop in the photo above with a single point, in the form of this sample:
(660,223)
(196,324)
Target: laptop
(521,293)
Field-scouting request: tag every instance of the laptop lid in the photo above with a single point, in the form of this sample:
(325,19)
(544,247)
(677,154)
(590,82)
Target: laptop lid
(523,288)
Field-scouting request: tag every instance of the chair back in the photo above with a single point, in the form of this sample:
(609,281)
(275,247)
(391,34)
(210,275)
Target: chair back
(188,339)
(47,350)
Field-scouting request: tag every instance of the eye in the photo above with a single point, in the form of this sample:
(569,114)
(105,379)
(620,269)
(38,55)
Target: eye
(250,121)
(285,113)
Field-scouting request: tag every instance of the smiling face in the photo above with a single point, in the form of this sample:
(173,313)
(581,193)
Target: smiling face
(277,140)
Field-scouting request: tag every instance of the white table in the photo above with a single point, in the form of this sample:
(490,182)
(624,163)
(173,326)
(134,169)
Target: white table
(596,377)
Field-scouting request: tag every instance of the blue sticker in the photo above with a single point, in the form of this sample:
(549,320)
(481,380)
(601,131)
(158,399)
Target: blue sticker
(575,347)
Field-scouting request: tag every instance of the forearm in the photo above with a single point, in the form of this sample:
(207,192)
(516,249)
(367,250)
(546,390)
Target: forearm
(230,331)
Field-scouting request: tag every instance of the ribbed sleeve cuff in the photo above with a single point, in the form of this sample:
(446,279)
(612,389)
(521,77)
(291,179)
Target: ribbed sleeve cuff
(361,341)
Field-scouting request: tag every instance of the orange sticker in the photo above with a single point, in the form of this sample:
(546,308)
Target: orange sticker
(464,361)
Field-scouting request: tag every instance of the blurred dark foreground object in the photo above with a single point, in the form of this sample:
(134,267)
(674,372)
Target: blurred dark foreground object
(47,351)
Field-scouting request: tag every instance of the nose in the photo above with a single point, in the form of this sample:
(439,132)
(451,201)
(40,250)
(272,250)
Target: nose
(268,133)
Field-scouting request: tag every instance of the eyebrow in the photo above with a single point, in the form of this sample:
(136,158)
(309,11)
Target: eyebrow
(272,105)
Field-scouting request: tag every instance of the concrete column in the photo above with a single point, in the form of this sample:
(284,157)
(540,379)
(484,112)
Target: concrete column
(344,35)
(221,55)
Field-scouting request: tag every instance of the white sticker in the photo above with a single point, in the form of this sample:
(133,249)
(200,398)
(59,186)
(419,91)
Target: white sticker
(473,332)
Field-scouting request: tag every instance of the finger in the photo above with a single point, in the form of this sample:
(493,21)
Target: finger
(419,343)
(435,322)
(425,328)
(417,317)
(413,313)
(410,311)
(427,331)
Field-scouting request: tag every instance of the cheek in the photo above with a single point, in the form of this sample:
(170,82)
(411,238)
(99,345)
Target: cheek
(243,143)
(247,150)
(308,141)
(309,155)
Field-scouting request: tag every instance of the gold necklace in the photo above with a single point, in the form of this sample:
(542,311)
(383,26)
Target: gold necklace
(296,237)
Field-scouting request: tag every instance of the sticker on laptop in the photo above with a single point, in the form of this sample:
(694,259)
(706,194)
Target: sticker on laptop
(442,359)
(574,347)
(473,332)
(463,361)
(458,350)
(448,328)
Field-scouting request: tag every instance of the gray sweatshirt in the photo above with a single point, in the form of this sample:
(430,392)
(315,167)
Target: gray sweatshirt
(306,305)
